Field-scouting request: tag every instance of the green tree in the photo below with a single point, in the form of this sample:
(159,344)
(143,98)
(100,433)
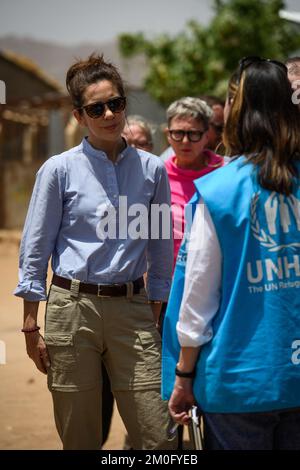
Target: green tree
(201,59)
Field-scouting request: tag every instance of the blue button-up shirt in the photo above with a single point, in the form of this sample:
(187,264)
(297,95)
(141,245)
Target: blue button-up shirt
(74,194)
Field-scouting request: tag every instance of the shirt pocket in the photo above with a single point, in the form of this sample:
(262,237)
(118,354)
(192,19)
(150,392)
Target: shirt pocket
(61,350)
(151,346)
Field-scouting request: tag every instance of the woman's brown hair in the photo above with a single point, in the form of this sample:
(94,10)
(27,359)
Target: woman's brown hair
(86,72)
(264,125)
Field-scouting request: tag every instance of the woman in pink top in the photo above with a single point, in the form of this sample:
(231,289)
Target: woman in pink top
(188,120)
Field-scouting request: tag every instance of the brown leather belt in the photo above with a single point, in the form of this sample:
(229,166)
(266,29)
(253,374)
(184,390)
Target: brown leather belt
(102,290)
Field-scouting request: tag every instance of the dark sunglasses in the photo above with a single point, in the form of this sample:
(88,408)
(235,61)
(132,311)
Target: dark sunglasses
(252,59)
(96,110)
(178,135)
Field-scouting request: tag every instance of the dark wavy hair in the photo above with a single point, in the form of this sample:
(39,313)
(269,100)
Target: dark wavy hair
(86,72)
(264,125)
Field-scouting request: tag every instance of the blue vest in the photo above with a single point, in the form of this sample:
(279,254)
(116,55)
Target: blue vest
(252,363)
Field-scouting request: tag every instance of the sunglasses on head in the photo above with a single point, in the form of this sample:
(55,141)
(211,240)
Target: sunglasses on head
(249,60)
(96,110)
(178,135)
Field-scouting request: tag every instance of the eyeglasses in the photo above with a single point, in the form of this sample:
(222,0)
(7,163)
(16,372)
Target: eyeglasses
(140,144)
(249,60)
(96,110)
(193,136)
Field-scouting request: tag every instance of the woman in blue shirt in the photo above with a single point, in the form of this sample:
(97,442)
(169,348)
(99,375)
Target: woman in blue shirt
(91,213)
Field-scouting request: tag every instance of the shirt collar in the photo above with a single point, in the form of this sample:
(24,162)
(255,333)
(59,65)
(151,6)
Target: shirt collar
(88,149)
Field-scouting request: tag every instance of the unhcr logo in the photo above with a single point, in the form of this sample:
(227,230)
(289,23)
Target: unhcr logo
(2,92)
(286,210)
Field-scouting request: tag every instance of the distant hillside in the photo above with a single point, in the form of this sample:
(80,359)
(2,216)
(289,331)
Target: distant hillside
(54,59)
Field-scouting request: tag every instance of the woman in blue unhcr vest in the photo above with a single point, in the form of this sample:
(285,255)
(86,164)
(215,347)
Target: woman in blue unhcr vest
(232,329)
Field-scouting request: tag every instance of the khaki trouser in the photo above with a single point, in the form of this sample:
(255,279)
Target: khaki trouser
(83,330)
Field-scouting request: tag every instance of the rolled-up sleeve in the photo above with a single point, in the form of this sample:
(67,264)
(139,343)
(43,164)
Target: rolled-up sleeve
(160,245)
(202,285)
(40,232)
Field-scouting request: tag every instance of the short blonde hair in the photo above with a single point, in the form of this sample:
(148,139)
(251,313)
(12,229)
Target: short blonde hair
(190,107)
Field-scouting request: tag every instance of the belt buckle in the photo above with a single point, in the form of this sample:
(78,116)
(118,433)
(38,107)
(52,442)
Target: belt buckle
(99,292)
